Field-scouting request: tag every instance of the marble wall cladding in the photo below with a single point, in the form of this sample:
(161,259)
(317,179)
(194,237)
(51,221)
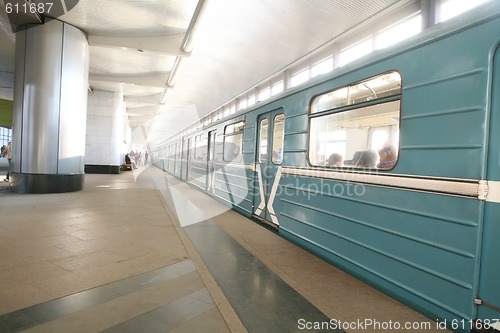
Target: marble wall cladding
(106,129)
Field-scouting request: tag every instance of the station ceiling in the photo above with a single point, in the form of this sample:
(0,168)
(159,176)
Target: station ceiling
(177,60)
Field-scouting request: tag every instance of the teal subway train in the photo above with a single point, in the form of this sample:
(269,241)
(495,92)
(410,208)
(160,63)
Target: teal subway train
(388,167)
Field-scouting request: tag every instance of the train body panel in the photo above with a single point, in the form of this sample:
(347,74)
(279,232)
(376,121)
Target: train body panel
(489,293)
(426,231)
(419,246)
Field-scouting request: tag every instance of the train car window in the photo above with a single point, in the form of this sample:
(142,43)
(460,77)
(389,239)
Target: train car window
(264,94)
(278,138)
(264,127)
(322,66)
(357,125)
(355,51)
(277,87)
(395,33)
(251,100)
(381,86)
(452,8)
(299,77)
(233,142)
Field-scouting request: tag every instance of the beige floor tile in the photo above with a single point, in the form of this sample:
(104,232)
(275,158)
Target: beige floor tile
(150,262)
(66,284)
(85,247)
(132,250)
(207,322)
(111,313)
(18,296)
(87,321)
(147,299)
(83,262)
(98,276)
(30,272)
(20,256)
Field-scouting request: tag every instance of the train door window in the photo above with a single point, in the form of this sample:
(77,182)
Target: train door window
(264,127)
(191,147)
(211,145)
(219,147)
(278,138)
(233,142)
(357,124)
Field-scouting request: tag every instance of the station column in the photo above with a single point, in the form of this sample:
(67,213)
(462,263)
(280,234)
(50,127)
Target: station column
(50,108)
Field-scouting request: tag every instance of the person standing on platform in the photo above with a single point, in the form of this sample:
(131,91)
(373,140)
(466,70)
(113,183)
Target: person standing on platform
(8,153)
(136,157)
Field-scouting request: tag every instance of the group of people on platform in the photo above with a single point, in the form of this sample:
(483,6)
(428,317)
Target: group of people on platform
(133,159)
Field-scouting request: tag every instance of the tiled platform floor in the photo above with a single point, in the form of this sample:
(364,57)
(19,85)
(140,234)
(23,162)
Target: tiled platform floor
(142,252)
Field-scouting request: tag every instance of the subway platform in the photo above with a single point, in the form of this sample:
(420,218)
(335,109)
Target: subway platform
(143,252)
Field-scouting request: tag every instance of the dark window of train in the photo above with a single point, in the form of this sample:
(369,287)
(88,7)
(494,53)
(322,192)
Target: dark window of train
(233,142)
(357,125)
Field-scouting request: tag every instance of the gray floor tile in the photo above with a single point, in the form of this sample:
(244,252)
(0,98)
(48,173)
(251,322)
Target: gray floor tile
(55,309)
(262,300)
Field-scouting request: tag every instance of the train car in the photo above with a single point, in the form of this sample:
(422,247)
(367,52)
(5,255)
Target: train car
(388,167)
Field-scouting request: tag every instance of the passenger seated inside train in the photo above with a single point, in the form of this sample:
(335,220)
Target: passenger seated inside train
(354,159)
(368,159)
(388,157)
(334,160)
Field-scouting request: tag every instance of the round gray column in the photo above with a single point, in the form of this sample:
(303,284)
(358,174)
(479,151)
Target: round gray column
(50,109)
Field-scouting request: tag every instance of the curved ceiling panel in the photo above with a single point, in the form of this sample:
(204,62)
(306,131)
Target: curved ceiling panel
(117,61)
(131,18)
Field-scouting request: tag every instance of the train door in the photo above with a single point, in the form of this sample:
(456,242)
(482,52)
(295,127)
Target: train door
(269,158)
(211,161)
(488,299)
